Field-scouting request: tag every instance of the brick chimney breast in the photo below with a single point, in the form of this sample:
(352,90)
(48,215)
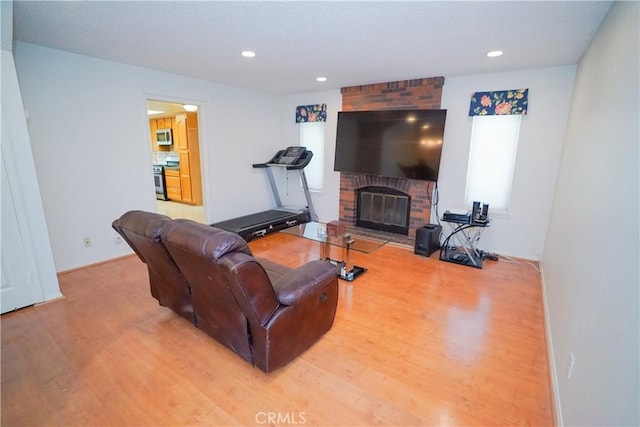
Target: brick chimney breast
(424,93)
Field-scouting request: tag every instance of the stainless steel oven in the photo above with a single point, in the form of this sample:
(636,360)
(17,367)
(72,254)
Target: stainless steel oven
(161,186)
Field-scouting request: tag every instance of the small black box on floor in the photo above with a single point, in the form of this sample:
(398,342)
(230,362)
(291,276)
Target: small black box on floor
(427,239)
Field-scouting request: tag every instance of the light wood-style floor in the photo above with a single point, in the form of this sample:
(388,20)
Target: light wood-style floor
(415,341)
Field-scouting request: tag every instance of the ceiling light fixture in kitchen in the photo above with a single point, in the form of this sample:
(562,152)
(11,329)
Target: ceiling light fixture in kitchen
(494,53)
(321,79)
(190,108)
(152,112)
(248,54)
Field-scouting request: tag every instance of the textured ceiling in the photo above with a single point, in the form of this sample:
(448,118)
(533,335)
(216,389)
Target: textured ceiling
(350,43)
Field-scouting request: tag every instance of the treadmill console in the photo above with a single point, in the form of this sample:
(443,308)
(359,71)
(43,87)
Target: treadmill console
(289,156)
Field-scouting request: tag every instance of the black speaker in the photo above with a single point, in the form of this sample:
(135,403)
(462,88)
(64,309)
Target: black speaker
(427,239)
(475,211)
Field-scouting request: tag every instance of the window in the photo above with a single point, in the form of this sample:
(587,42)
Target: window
(312,137)
(492,157)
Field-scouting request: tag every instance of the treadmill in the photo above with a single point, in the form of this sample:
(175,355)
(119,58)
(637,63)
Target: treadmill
(261,223)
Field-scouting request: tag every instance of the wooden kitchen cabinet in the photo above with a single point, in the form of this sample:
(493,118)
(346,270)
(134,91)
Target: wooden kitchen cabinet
(181,142)
(162,123)
(155,124)
(187,144)
(172,181)
(186,177)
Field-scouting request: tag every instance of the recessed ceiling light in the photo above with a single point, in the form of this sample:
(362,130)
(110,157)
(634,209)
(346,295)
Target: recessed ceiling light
(321,79)
(248,54)
(494,53)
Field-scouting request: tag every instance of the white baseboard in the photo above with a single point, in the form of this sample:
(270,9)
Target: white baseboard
(553,372)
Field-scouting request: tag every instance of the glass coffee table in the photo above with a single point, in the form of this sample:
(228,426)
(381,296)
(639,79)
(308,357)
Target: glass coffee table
(318,232)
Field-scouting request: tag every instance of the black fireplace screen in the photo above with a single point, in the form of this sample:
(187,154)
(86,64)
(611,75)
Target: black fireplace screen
(382,208)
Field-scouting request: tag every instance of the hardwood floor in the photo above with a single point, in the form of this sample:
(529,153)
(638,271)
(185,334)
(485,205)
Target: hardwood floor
(415,341)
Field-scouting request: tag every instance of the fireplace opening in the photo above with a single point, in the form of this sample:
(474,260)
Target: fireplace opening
(383,208)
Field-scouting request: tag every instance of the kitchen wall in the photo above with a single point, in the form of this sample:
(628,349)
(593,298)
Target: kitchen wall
(591,256)
(160,157)
(90,141)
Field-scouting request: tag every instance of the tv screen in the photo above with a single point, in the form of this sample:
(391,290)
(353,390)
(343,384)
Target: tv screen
(392,143)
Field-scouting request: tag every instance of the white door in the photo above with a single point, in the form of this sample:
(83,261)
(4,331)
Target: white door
(17,288)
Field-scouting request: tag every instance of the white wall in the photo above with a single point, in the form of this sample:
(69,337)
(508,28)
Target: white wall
(521,233)
(591,256)
(326,201)
(89,134)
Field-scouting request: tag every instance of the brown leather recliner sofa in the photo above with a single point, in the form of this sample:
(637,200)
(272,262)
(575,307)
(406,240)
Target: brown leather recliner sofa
(265,312)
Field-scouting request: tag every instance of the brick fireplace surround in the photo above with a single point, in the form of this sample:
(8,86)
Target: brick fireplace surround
(408,94)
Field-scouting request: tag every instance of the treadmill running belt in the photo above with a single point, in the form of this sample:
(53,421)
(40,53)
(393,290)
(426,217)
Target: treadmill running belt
(237,224)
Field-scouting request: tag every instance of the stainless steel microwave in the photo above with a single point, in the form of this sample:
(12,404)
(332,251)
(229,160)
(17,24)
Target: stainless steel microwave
(163,137)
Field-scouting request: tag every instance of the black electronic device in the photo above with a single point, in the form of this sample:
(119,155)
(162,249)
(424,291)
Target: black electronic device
(461,218)
(476,210)
(391,143)
(427,239)
(480,212)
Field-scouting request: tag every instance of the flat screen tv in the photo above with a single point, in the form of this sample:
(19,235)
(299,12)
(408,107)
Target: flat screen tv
(392,143)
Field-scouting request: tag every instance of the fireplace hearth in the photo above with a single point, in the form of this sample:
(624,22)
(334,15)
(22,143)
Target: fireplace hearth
(418,202)
(383,208)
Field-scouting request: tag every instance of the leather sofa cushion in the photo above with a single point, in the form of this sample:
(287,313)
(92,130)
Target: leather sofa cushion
(143,223)
(274,270)
(139,221)
(211,242)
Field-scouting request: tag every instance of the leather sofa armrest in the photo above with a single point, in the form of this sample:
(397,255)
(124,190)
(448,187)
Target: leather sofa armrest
(304,281)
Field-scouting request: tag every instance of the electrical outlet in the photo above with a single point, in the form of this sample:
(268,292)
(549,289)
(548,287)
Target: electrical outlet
(86,242)
(570,363)
(117,239)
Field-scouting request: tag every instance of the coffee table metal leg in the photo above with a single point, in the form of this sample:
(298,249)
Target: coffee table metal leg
(325,251)
(346,272)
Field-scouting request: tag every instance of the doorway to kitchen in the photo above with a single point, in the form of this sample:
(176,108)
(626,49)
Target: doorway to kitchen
(175,159)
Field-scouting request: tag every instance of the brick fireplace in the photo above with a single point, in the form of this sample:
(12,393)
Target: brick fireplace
(408,94)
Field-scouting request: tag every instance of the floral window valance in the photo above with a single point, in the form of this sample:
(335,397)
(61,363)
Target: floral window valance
(311,113)
(500,102)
